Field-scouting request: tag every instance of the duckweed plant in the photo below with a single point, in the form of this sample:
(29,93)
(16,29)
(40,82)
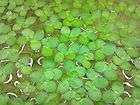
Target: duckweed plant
(69,52)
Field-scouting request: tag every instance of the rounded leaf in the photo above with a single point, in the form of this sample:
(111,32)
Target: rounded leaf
(63,86)
(95,94)
(35,44)
(75,32)
(59,57)
(101,66)
(47,51)
(100,82)
(118,88)
(65,30)
(109,96)
(28,33)
(75,82)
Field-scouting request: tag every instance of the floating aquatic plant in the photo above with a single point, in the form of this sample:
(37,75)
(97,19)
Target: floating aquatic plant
(69,52)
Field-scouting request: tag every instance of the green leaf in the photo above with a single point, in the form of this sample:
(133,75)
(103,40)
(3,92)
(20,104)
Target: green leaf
(77,23)
(23,61)
(74,47)
(66,22)
(65,30)
(2,76)
(4,99)
(136,102)
(69,65)
(131,41)
(87,18)
(80,58)
(26,87)
(4,28)
(81,91)
(132,52)
(86,64)
(20,20)
(89,84)
(83,49)
(77,4)
(57,74)
(99,55)
(11,39)
(109,49)
(8,68)
(57,25)
(29,21)
(63,38)
(110,74)
(75,82)
(69,95)
(118,101)
(48,86)
(2,10)
(73,102)
(122,54)
(109,96)
(3,38)
(13,55)
(99,44)
(126,66)
(70,55)
(91,46)
(19,2)
(49,74)
(91,35)
(51,42)
(89,56)
(137,63)
(91,74)
(49,27)
(72,73)
(36,76)
(48,63)
(52,99)
(28,103)
(75,32)
(4,54)
(63,86)
(26,70)
(35,44)
(54,18)
(47,51)
(83,39)
(41,97)
(100,82)
(16,101)
(28,33)
(85,101)
(62,48)
(22,40)
(128,101)
(59,57)
(113,66)
(81,71)
(118,88)
(116,60)
(136,93)
(39,35)
(136,79)
(95,94)
(101,66)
